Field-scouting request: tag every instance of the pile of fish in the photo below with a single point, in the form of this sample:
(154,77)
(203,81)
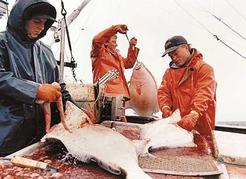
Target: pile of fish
(111,150)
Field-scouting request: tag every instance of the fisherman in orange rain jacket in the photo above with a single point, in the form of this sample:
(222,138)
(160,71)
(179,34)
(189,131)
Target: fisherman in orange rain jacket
(106,57)
(188,85)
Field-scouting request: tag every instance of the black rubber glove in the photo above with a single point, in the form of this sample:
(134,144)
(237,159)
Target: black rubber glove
(67,97)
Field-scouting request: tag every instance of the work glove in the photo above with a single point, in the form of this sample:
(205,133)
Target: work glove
(48,93)
(188,122)
(121,28)
(133,42)
(166,111)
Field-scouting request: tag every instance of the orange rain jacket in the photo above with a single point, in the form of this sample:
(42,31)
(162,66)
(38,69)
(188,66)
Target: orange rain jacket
(191,88)
(104,60)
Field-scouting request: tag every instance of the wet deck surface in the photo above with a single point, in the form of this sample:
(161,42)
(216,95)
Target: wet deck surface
(70,168)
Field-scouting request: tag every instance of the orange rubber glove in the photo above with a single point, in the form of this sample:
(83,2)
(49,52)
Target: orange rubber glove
(166,111)
(121,28)
(188,122)
(133,42)
(48,93)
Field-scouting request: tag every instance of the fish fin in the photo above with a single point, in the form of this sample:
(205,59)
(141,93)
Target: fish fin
(147,155)
(175,117)
(141,146)
(161,147)
(111,168)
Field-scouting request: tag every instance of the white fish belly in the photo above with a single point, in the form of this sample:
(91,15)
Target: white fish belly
(143,91)
(163,133)
(111,150)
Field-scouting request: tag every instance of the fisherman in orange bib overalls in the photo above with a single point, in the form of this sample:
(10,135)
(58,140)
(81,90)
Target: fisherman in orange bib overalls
(106,57)
(188,85)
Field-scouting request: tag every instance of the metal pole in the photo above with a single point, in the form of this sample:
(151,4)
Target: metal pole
(62,49)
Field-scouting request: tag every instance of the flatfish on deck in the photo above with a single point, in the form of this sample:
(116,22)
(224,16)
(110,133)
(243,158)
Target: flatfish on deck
(162,133)
(108,148)
(165,133)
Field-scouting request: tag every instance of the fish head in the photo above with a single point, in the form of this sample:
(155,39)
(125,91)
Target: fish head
(138,66)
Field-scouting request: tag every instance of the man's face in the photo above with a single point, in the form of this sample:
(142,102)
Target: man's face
(112,42)
(35,26)
(180,55)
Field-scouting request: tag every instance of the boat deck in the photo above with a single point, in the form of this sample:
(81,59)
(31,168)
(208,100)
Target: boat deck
(55,155)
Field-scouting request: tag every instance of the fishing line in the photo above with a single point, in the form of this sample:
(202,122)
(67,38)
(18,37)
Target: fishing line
(219,19)
(214,35)
(195,19)
(224,23)
(228,26)
(130,44)
(236,10)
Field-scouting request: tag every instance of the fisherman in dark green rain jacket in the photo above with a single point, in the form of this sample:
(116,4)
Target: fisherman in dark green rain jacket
(27,70)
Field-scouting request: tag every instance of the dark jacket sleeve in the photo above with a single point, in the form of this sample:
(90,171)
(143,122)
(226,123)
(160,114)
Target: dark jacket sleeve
(19,90)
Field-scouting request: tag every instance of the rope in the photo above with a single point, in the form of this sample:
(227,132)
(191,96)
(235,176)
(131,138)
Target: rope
(214,35)
(240,14)
(72,61)
(233,30)
(217,38)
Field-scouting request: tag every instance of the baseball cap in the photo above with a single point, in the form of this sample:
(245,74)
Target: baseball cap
(173,43)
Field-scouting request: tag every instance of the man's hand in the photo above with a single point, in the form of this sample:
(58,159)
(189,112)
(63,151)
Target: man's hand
(53,96)
(166,111)
(48,93)
(188,122)
(121,28)
(133,42)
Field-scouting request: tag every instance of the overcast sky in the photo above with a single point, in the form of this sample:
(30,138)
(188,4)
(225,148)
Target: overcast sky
(152,22)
